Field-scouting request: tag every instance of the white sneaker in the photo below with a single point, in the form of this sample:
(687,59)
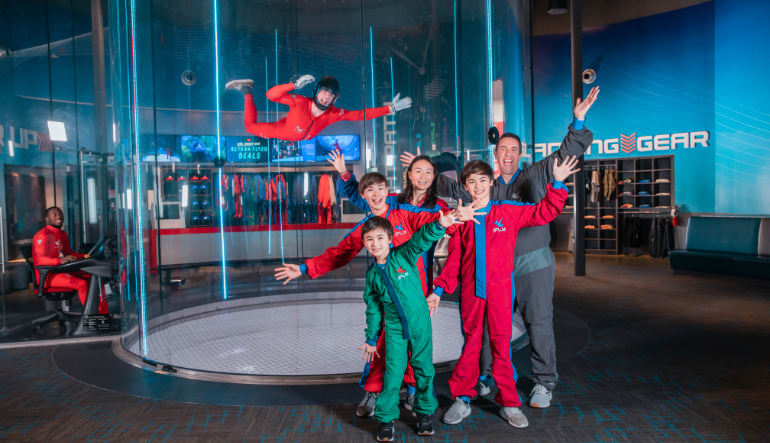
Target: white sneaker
(482,388)
(515,417)
(540,397)
(457,412)
(241,85)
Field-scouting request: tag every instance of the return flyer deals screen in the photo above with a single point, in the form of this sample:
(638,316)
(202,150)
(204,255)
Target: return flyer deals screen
(247,149)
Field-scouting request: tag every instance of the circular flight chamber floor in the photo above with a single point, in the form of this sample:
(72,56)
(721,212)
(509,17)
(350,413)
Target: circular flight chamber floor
(298,339)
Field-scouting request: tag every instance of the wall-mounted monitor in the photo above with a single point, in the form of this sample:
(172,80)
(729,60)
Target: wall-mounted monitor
(349,145)
(164,146)
(199,148)
(246,149)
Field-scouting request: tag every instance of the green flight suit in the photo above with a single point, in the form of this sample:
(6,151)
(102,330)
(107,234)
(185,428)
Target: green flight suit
(394,291)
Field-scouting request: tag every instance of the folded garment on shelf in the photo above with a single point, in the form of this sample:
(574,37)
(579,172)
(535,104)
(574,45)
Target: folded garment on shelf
(646,180)
(605,227)
(628,193)
(590,216)
(627,205)
(661,207)
(608,216)
(590,227)
(626,181)
(644,193)
(645,206)
(662,180)
(663,194)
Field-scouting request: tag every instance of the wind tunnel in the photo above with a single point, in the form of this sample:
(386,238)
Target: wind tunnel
(207,210)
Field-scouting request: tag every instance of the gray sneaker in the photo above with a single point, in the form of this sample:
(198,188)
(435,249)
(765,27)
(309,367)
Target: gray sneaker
(482,388)
(515,417)
(540,397)
(409,402)
(366,407)
(243,86)
(457,412)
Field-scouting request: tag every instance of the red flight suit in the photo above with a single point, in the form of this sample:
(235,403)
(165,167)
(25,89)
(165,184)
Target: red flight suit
(48,246)
(481,259)
(299,124)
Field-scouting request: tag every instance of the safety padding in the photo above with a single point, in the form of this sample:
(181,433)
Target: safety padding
(737,235)
(764,238)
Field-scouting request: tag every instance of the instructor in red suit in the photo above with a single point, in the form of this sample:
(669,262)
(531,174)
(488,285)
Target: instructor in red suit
(51,247)
(307,116)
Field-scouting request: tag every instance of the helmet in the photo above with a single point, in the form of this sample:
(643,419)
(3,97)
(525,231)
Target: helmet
(330,84)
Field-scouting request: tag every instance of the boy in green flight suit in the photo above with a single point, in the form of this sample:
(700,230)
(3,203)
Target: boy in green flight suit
(394,292)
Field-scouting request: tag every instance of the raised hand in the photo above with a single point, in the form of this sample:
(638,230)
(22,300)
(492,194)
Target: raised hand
(287,272)
(433,301)
(399,103)
(337,159)
(465,213)
(369,352)
(407,158)
(564,170)
(447,219)
(303,81)
(582,106)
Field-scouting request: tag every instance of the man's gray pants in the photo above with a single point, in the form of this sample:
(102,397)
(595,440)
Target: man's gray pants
(534,308)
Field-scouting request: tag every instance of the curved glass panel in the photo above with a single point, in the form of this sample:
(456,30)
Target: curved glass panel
(214,192)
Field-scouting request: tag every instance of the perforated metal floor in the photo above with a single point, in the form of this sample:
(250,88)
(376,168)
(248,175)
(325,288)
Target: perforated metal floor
(303,338)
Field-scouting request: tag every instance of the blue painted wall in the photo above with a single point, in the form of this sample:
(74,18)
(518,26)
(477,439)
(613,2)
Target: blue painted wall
(682,72)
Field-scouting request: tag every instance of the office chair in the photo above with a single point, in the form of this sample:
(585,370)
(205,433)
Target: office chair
(60,296)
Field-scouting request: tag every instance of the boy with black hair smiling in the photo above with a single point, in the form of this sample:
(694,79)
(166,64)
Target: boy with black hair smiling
(481,259)
(396,303)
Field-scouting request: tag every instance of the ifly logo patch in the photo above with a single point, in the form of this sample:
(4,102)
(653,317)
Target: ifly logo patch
(500,227)
(403,273)
(399,230)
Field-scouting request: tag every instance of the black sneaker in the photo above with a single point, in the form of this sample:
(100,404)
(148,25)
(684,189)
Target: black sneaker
(386,432)
(424,424)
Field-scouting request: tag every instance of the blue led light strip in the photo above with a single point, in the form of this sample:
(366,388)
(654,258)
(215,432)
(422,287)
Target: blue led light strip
(374,127)
(219,150)
(489,63)
(457,106)
(490,106)
(139,227)
(392,94)
(269,153)
(280,211)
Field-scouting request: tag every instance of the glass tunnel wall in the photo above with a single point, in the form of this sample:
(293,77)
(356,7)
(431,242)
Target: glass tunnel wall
(207,211)
(50,71)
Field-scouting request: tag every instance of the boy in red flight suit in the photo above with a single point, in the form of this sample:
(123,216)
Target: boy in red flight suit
(307,117)
(481,257)
(51,247)
(406,219)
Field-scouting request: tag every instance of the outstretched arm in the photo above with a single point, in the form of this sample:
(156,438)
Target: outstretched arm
(553,202)
(396,105)
(575,143)
(349,187)
(280,94)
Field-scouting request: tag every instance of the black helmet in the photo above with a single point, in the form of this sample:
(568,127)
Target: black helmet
(330,84)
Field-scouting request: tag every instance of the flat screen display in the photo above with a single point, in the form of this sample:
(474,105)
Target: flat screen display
(198,148)
(349,145)
(246,149)
(164,146)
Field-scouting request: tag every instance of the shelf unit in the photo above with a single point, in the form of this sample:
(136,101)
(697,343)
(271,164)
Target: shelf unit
(645,188)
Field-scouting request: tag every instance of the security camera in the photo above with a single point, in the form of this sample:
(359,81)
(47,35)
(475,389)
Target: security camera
(589,76)
(189,78)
